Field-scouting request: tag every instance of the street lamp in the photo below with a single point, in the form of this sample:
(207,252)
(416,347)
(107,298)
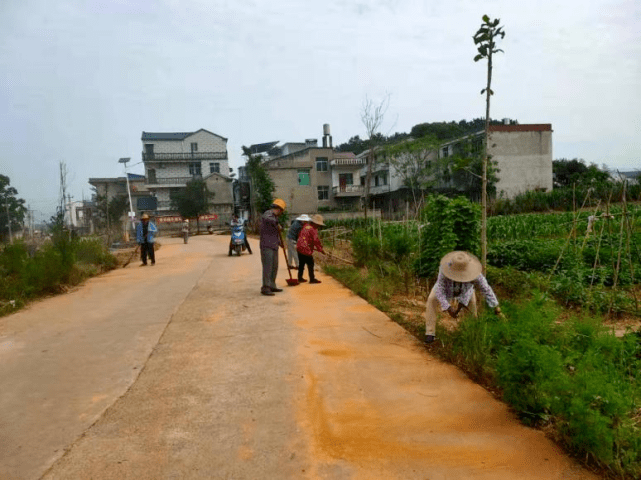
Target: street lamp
(132,214)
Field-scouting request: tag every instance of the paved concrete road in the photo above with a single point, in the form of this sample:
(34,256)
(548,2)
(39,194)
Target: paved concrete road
(312,383)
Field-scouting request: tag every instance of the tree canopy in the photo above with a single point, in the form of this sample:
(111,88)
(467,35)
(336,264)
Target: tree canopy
(111,211)
(263,186)
(567,172)
(15,207)
(443,131)
(192,201)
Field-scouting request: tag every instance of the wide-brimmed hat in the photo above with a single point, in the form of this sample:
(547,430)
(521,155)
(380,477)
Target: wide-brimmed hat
(144,217)
(318,220)
(461,266)
(304,218)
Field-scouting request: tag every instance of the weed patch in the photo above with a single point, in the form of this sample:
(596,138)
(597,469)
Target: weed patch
(26,274)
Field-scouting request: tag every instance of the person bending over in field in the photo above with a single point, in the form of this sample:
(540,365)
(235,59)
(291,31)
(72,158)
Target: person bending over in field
(458,274)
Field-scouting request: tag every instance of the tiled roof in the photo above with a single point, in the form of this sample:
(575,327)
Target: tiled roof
(177,136)
(532,127)
(165,136)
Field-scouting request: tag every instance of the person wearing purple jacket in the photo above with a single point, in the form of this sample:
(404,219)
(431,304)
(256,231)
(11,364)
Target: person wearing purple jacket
(270,241)
(458,274)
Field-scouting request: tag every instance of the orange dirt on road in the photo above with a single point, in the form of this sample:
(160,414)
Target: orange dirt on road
(313,383)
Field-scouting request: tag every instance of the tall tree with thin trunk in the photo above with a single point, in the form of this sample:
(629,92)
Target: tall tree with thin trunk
(372,116)
(485,40)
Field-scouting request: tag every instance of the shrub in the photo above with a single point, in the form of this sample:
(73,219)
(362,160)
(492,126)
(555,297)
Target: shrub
(575,376)
(64,261)
(451,224)
(365,247)
(12,258)
(91,251)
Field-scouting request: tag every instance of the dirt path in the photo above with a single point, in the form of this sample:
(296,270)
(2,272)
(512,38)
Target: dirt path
(312,383)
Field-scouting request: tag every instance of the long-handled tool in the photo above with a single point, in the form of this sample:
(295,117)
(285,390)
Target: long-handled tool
(132,256)
(291,281)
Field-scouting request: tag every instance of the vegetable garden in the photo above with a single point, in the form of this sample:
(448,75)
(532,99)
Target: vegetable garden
(558,277)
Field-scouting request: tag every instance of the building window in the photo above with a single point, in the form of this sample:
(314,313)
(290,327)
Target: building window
(214,167)
(446,151)
(151,174)
(194,147)
(321,164)
(376,181)
(384,179)
(303,177)
(194,169)
(323,192)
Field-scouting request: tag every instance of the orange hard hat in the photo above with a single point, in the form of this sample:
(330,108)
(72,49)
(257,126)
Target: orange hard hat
(279,203)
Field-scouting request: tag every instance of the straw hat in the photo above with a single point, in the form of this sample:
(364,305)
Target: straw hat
(318,220)
(304,218)
(144,217)
(461,266)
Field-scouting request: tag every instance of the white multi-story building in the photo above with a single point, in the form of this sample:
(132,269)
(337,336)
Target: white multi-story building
(173,159)
(522,154)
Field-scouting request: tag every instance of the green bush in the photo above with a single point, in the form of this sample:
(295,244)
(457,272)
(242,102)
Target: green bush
(575,376)
(450,224)
(365,247)
(566,198)
(64,261)
(12,258)
(91,251)
(525,255)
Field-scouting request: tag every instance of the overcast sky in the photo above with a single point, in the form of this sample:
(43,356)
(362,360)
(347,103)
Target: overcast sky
(81,80)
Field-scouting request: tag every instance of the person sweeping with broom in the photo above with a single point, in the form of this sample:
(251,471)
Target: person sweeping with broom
(270,241)
(458,274)
(307,241)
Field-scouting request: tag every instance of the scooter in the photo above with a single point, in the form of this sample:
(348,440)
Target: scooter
(210,229)
(238,239)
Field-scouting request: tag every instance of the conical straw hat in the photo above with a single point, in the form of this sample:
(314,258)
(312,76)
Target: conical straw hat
(461,266)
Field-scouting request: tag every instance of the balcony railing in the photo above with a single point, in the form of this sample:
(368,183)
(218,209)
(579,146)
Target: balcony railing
(158,157)
(348,190)
(347,162)
(171,180)
(377,189)
(380,166)
(164,205)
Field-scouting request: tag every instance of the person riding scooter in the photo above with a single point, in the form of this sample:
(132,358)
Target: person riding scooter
(238,225)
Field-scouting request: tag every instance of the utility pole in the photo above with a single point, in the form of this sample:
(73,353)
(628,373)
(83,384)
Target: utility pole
(130,214)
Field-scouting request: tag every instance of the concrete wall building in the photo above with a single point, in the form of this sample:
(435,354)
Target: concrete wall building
(309,177)
(111,188)
(524,157)
(302,179)
(173,159)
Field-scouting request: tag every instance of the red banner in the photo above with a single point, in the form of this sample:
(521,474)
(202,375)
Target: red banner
(178,219)
(170,219)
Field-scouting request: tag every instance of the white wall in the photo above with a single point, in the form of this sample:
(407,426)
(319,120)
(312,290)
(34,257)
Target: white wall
(524,160)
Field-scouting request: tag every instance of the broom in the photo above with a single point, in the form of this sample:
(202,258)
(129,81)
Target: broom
(132,256)
(290,281)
